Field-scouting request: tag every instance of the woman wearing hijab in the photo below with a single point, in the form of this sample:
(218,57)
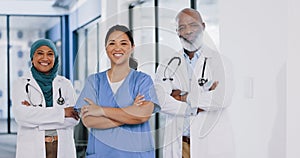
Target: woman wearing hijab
(43,107)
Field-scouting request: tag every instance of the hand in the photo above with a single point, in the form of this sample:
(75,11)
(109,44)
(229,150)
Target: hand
(25,102)
(176,94)
(139,100)
(214,86)
(199,110)
(91,109)
(70,112)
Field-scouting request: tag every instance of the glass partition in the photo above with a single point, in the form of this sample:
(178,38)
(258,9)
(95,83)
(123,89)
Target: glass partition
(80,64)
(87,55)
(143,27)
(92,49)
(86,63)
(210,13)
(168,39)
(3,76)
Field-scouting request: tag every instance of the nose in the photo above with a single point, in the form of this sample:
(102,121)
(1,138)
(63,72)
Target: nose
(45,57)
(117,47)
(189,30)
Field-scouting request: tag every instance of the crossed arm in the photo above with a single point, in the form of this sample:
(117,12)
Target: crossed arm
(69,111)
(176,94)
(95,116)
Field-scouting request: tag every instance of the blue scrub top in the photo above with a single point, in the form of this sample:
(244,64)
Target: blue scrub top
(132,141)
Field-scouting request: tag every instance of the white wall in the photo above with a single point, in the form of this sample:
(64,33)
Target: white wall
(293,78)
(253,35)
(85,13)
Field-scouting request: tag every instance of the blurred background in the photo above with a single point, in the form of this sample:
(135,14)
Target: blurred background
(256,36)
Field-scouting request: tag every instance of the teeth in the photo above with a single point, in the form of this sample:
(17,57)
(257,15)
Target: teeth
(118,55)
(45,64)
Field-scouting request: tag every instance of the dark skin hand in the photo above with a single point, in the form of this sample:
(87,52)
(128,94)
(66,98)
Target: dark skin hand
(214,86)
(69,111)
(176,94)
(26,103)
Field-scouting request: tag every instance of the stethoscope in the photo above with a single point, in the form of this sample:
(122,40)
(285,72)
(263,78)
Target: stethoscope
(60,100)
(201,81)
(171,76)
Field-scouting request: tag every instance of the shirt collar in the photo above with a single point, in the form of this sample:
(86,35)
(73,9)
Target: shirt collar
(197,54)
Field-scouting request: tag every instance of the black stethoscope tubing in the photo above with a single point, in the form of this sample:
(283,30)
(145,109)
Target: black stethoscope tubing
(29,98)
(171,76)
(60,99)
(201,81)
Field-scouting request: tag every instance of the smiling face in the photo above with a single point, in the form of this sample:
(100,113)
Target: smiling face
(118,48)
(190,29)
(43,59)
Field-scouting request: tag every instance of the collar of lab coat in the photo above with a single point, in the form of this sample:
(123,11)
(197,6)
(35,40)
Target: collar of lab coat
(28,75)
(204,51)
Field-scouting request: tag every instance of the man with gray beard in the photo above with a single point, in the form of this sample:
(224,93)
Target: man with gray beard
(191,91)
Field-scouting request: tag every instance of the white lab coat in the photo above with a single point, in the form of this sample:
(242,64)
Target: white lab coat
(33,121)
(210,131)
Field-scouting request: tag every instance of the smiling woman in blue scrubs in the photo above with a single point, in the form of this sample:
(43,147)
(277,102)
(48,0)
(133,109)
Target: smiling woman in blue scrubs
(116,104)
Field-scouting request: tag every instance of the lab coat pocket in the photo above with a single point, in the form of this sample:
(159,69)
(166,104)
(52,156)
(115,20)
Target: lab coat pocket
(25,139)
(28,143)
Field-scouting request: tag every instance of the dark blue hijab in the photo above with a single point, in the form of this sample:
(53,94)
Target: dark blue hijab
(45,80)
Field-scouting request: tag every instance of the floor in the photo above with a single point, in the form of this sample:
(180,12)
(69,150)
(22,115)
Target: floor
(7,141)
(8,145)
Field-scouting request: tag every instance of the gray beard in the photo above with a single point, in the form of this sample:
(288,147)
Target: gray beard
(192,46)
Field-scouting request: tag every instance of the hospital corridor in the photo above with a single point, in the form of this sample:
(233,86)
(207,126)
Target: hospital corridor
(149,78)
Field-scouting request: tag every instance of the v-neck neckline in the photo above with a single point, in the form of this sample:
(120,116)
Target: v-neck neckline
(124,80)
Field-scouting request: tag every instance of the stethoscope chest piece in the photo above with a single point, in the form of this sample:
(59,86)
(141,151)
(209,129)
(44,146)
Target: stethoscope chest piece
(202,80)
(60,100)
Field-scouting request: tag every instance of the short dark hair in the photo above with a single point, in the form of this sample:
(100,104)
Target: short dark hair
(121,28)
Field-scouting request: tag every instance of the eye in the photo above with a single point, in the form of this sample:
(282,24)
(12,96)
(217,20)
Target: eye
(194,25)
(111,43)
(50,53)
(124,43)
(39,52)
(180,28)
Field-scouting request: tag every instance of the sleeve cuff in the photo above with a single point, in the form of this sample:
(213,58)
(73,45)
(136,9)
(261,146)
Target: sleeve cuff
(190,111)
